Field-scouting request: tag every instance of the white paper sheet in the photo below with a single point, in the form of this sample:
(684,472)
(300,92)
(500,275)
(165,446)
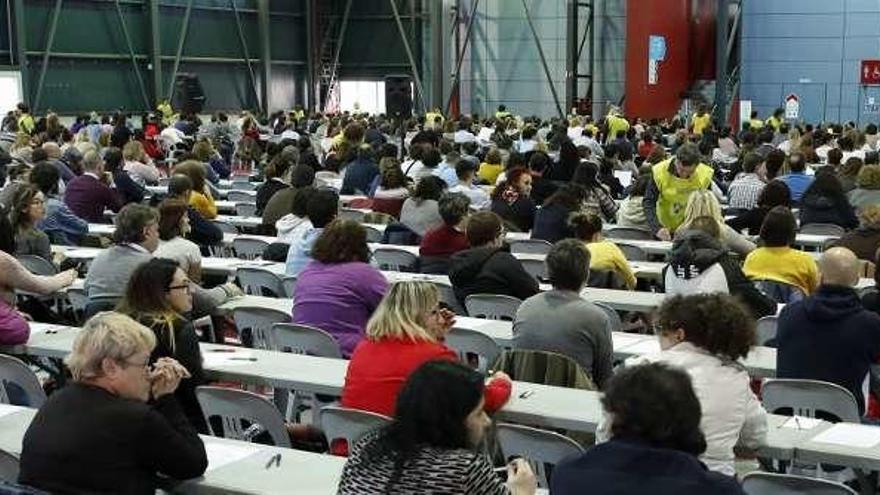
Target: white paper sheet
(221,454)
(485,134)
(623,341)
(237,358)
(647,346)
(850,435)
(624,176)
(6,409)
(801,423)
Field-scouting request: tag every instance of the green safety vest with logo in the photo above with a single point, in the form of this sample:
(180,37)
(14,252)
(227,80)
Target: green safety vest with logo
(674,191)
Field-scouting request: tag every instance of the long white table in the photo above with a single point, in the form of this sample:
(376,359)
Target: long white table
(313,473)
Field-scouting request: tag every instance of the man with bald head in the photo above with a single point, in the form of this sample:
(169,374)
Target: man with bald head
(829,335)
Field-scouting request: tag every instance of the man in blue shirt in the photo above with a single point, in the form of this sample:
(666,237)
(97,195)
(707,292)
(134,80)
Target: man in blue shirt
(797,180)
(321,209)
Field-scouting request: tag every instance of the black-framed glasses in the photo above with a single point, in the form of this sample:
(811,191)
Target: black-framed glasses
(183,287)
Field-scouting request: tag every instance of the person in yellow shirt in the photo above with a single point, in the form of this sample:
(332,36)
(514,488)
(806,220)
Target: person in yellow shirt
(604,254)
(502,113)
(434,120)
(201,198)
(615,123)
(491,168)
(26,122)
(776,260)
(701,120)
(674,180)
(775,121)
(754,122)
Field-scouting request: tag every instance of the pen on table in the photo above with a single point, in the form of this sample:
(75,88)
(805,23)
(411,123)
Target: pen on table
(797,422)
(222,350)
(526,394)
(242,359)
(274,459)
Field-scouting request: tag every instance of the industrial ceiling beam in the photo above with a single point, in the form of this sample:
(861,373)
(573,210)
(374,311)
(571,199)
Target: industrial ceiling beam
(456,76)
(155,50)
(409,55)
(436,23)
(20,50)
(264,23)
(543,59)
(244,51)
(50,39)
(310,55)
(181,41)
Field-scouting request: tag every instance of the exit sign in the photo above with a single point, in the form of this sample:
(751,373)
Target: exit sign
(870,72)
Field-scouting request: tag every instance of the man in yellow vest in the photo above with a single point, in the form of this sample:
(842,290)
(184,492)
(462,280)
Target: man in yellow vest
(615,123)
(673,182)
(754,122)
(502,113)
(701,120)
(434,120)
(775,121)
(26,123)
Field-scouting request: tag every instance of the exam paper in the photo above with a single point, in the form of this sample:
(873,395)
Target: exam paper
(222,453)
(6,409)
(850,435)
(801,423)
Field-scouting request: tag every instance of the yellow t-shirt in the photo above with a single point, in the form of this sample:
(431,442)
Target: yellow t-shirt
(756,124)
(605,255)
(783,264)
(701,122)
(204,204)
(489,173)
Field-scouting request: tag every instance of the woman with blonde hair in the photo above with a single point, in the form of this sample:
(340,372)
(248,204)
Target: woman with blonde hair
(405,331)
(138,164)
(201,198)
(865,239)
(867,191)
(704,204)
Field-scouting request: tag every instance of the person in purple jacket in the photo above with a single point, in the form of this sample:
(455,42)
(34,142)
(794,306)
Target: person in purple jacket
(339,290)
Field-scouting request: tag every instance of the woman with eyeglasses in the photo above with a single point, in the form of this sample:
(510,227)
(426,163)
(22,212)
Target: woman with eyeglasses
(117,424)
(29,207)
(158,296)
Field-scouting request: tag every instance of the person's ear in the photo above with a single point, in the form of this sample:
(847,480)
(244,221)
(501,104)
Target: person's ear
(110,367)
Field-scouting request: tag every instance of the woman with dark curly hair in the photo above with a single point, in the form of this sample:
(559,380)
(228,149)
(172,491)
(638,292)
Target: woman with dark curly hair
(339,290)
(653,417)
(705,334)
(511,200)
(825,202)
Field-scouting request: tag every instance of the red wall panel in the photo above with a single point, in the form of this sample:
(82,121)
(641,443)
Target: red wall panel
(672,20)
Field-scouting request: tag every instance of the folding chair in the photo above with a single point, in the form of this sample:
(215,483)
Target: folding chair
(492,306)
(243,415)
(249,248)
(254,325)
(539,447)
(260,282)
(397,260)
(349,424)
(19,385)
(303,339)
(530,246)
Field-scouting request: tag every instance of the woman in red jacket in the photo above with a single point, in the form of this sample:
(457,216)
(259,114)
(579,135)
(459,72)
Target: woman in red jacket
(406,331)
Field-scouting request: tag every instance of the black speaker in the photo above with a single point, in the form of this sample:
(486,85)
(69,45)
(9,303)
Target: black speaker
(398,96)
(188,94)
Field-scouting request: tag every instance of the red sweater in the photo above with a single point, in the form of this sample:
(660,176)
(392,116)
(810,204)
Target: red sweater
(378,369)
(443,241)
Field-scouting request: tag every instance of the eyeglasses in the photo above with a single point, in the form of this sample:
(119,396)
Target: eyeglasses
(183,287)
(137,364)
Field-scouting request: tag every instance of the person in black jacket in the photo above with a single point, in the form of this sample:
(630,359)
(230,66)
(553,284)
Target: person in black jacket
(542,188)
(204,232)
(655,438)
(362,170)
(551,221)
(775,193)
(511,200)
(275,172)
(825,202)
(129,190)
(118,424)
(157,296)
(488,267)
(698,249)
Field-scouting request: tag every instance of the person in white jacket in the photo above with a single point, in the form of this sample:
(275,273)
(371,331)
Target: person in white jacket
(706,334)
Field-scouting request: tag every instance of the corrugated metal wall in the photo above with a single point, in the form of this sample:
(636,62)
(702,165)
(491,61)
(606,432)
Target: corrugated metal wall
(811,48)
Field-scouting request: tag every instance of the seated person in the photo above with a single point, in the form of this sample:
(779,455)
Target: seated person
(274,172)
(774,194)
(865,240)
(465,170)
(825,202)
(488,267)
(279,204)
(128,189)
(338,290)
(551,221)
(421,211)
(200,198)
(117,393)
(561,321)
(60,224)
(776,260)
(321,208)
(173,245)
(702,334)
(292,226)
(439,423)
(406,331)
(442,242)
(703,203)
(604,254)
(89,194)
(695,253)
(158,296)
(202,231)
(652,421)
(511,201)
(392,190)
(830,336)
(28,208)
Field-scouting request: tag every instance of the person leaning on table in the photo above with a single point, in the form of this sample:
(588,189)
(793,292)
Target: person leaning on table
(117,424)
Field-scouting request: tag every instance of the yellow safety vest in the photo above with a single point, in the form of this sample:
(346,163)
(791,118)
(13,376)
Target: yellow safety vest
(430,117)
(674,191)
(701,122)
(756,124)
(615,125)
(774,123)
(502,115)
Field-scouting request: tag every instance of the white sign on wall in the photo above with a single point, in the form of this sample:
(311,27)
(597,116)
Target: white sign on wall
(745,111)
(792,107)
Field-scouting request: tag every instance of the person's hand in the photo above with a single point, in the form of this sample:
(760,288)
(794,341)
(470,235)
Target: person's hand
(520,478)
(232,290)
(446,317)
(68,276)
(165,377)
(664,235)
(173,366)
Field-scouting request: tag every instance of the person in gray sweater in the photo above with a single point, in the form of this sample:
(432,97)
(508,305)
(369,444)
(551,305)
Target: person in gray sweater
(561,321)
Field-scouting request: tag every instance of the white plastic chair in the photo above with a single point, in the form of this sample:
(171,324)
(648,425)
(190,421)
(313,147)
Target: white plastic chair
(304,339)
(632,252)
(766,329)
(807,397)
(613,316)
(258,323)
(539,447)
(15,378)
(822,229)
(225,227)
(245,209)
(447,295)
(373,234)
(234,407)
(351,214)
(530,246)
(289,284)
(535,268)
(759,483)
(492,306)
(349,424)
(240,197)
(632,233)
(465,341)
(9,467)
(37,264)
(259,282)
(394,259)
(248,248)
